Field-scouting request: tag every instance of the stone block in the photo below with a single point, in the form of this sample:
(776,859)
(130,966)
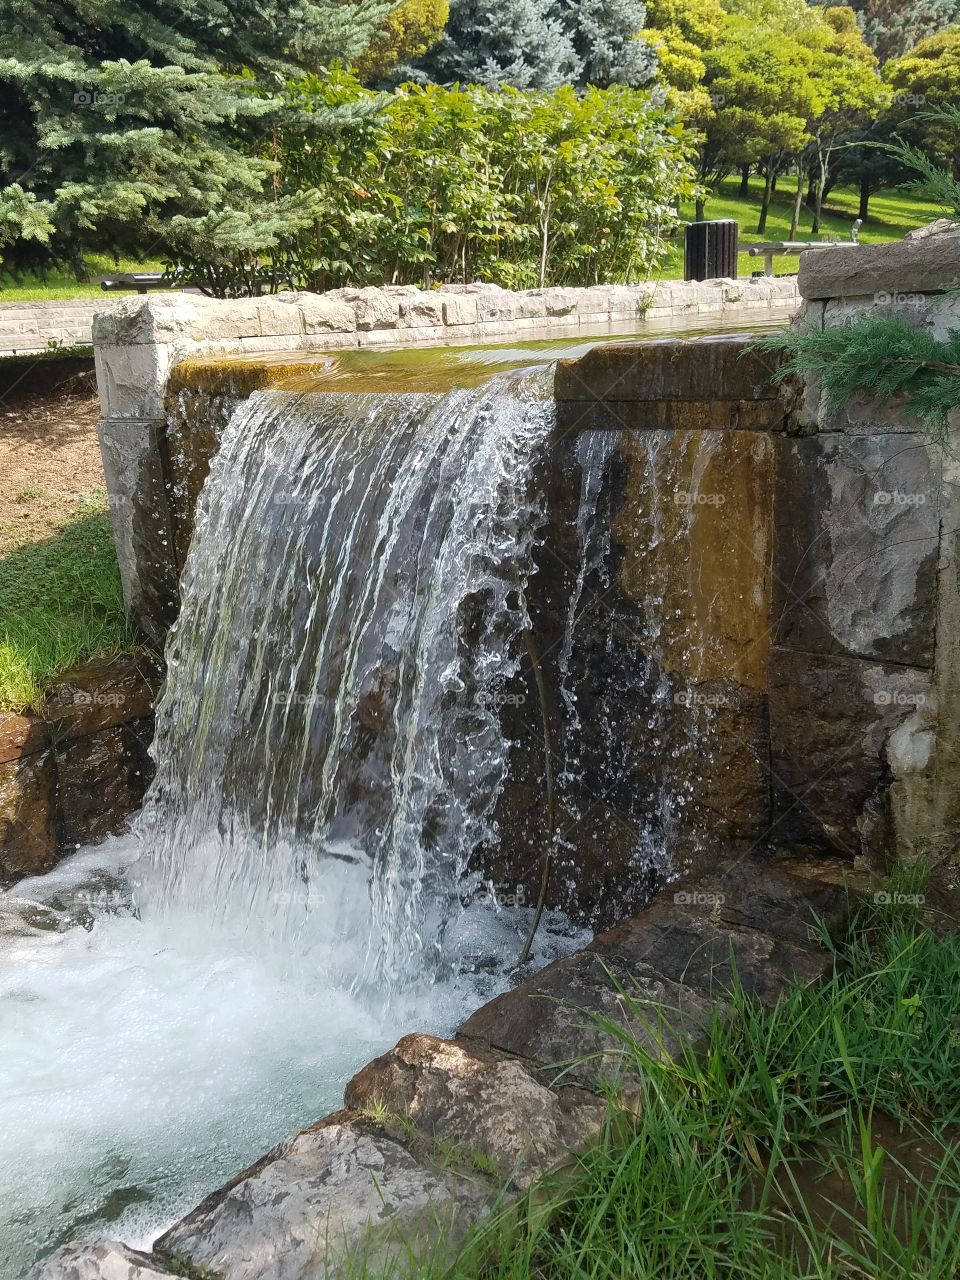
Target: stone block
(831,717)
(326,315)
(157,319)
(459,310)
(858,526)
(102,780)
(866,271)
(673,368)
(479,1103)
(21,735)
(101,694)
(373,308)
(28,816)
(331,1195)
(424,311)
(131,379)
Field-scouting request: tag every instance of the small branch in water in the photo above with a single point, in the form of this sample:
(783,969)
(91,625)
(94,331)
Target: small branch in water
(548,780)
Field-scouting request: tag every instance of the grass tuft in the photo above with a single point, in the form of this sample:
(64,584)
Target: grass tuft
(61,603)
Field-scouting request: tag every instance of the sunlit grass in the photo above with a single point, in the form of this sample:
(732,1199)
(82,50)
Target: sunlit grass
(61,602)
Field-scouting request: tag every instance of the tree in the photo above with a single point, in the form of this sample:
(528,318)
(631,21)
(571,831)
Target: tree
(680,32)
(892,27)
(113,127)
(405,35)
(604,35)
(924,84)
(541,44)
(850,93)
(497,42)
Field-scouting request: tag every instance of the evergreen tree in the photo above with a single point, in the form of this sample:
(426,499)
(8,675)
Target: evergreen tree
(604,34)
(497,42)
(892,27)
(117,117)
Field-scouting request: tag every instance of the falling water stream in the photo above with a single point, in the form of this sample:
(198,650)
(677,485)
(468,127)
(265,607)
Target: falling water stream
(298,891)
(301,886)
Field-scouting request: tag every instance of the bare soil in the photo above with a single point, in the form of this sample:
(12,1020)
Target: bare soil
(49,455)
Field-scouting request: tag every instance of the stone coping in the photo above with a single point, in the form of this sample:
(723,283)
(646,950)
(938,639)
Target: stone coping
(435,1132)
(883,271)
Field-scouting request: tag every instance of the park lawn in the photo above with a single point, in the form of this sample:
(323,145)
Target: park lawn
(61,284)
(892,214)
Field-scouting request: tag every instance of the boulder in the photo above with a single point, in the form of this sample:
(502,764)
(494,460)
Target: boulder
(106,1261)
(489,1107)
(337,1195)
(28,816)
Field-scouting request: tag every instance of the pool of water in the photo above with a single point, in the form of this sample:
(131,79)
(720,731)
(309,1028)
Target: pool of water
(147,1059)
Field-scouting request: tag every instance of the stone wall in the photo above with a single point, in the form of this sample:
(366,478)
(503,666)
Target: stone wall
(139,341)
(814,604)
(29,328)
(73,770)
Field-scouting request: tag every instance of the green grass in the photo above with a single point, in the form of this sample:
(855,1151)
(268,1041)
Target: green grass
(62,284)
(60,603)
(892,214)
(816,1140)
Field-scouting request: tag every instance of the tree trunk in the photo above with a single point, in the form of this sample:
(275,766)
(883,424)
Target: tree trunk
(773,182)
(765,205)
(864,211)
(744,181)
(797,203)
(700,209)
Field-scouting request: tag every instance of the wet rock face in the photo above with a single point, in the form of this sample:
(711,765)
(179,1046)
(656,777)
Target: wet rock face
(107,1261)
(73,772)
(651,612)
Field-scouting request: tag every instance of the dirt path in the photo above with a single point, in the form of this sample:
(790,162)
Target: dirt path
(49,458)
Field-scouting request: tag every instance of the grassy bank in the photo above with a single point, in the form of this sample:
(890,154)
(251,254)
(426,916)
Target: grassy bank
(814,1140)
(892,214)
(60,603)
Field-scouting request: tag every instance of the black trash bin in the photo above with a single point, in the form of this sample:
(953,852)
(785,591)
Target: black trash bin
(710,250)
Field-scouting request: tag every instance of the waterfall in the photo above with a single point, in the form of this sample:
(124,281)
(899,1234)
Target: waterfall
(352,603)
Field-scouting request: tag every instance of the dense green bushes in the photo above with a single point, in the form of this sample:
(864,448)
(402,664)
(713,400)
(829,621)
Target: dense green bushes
(520,188)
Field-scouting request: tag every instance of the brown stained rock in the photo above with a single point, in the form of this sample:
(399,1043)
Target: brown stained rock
(106,1261)
(930,265)
(479,1103)
(103,778)
(830,721)
(334,1194)
(684,938)
(858,523)
(672,415)
(28,816)
(21,735)
(555,1018)
(703,369)
(768,898)
(101,694)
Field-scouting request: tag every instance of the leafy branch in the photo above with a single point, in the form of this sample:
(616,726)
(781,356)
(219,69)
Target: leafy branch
(880,355)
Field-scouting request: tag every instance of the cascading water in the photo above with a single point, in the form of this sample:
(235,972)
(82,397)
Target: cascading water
(329,758)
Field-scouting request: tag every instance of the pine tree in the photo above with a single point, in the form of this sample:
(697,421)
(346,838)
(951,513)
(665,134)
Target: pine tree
(117,117)
(604,34)
(497,42)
